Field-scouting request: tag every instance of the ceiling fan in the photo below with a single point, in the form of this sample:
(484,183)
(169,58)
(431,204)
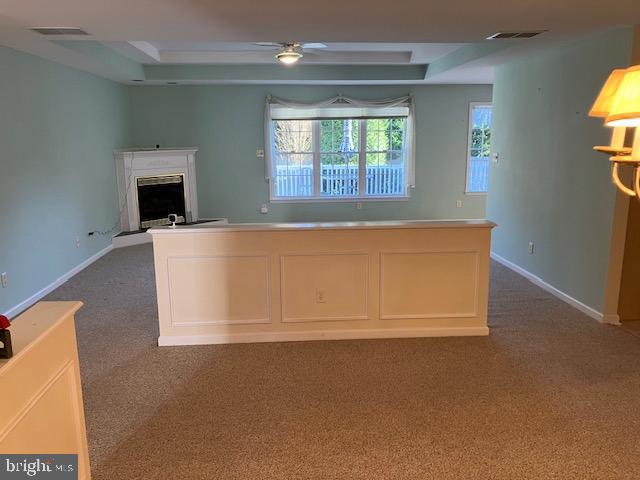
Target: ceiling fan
(290,52)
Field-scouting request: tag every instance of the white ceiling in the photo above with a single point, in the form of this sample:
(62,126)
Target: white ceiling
(356,31)
(413,21)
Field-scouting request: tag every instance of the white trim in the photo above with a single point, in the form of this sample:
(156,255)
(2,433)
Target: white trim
(223,338)
(12,312)
(586,309)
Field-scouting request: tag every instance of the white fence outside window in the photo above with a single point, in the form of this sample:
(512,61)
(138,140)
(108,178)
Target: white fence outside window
(340,180)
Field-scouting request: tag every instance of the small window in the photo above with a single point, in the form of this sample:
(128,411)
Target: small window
(479,153)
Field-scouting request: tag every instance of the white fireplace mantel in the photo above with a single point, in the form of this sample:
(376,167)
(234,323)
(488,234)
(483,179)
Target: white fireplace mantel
(138,163)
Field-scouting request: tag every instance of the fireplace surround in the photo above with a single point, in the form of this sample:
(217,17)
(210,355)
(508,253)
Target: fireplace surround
(154,183)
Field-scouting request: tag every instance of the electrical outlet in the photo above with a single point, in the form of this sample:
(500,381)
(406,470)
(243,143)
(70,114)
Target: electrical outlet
(77,242)
(4,280)
(459,203)
(358,205)
(264,208)
(495,157)
(260,153)
(320,298)
(530,248)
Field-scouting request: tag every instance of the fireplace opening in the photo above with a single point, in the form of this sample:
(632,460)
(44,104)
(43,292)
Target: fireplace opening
(158,197)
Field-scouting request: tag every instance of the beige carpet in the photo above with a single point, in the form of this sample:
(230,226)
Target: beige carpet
(549,394)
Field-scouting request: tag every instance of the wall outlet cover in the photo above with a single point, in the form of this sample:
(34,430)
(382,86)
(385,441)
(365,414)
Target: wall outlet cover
(4,279)
(264,208)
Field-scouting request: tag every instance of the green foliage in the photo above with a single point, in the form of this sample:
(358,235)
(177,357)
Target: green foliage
(481,141)
(383,134)
(481,131)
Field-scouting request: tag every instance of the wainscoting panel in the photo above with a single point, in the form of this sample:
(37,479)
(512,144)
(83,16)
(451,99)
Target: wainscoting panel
(324,287)
(36,429)
(289,282)
(428,285)
(219,290)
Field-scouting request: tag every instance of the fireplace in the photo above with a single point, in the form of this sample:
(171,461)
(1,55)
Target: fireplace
(154,183)
(158,197)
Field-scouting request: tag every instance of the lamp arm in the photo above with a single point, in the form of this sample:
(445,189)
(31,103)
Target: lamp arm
(615,176)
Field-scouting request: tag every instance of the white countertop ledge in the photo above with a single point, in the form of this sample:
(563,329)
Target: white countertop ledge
(384,225)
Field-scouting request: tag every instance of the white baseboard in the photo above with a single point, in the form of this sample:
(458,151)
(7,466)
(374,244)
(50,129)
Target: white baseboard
(22,306)
(586,309)
(260,337)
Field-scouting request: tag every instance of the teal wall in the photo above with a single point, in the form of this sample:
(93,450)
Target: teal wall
(58,128)
(549,187)
(226,124)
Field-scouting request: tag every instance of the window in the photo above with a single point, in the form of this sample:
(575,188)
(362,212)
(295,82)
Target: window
(479,147)
(331,156)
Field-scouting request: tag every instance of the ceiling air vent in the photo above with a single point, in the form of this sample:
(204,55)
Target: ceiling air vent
(60,31)
(504,35)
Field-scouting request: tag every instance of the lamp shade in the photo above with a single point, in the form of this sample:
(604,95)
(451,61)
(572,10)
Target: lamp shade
(602,105)
(625,109)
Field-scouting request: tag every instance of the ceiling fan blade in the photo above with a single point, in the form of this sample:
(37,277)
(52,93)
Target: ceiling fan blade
(313,45)
(267,44)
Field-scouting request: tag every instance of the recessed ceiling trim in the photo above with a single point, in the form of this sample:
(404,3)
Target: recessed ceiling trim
(324,58)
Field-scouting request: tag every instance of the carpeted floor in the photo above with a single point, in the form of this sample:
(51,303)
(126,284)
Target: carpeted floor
(550,394)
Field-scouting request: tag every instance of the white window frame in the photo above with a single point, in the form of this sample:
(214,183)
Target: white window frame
(362,169)
(472,105)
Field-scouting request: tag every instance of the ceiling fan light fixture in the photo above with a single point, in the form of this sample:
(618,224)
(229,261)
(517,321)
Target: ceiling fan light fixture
(289,54)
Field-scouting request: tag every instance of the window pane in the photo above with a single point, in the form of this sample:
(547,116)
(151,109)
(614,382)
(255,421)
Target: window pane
(386,170)
(479,149)
(339,153)
(293,158)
